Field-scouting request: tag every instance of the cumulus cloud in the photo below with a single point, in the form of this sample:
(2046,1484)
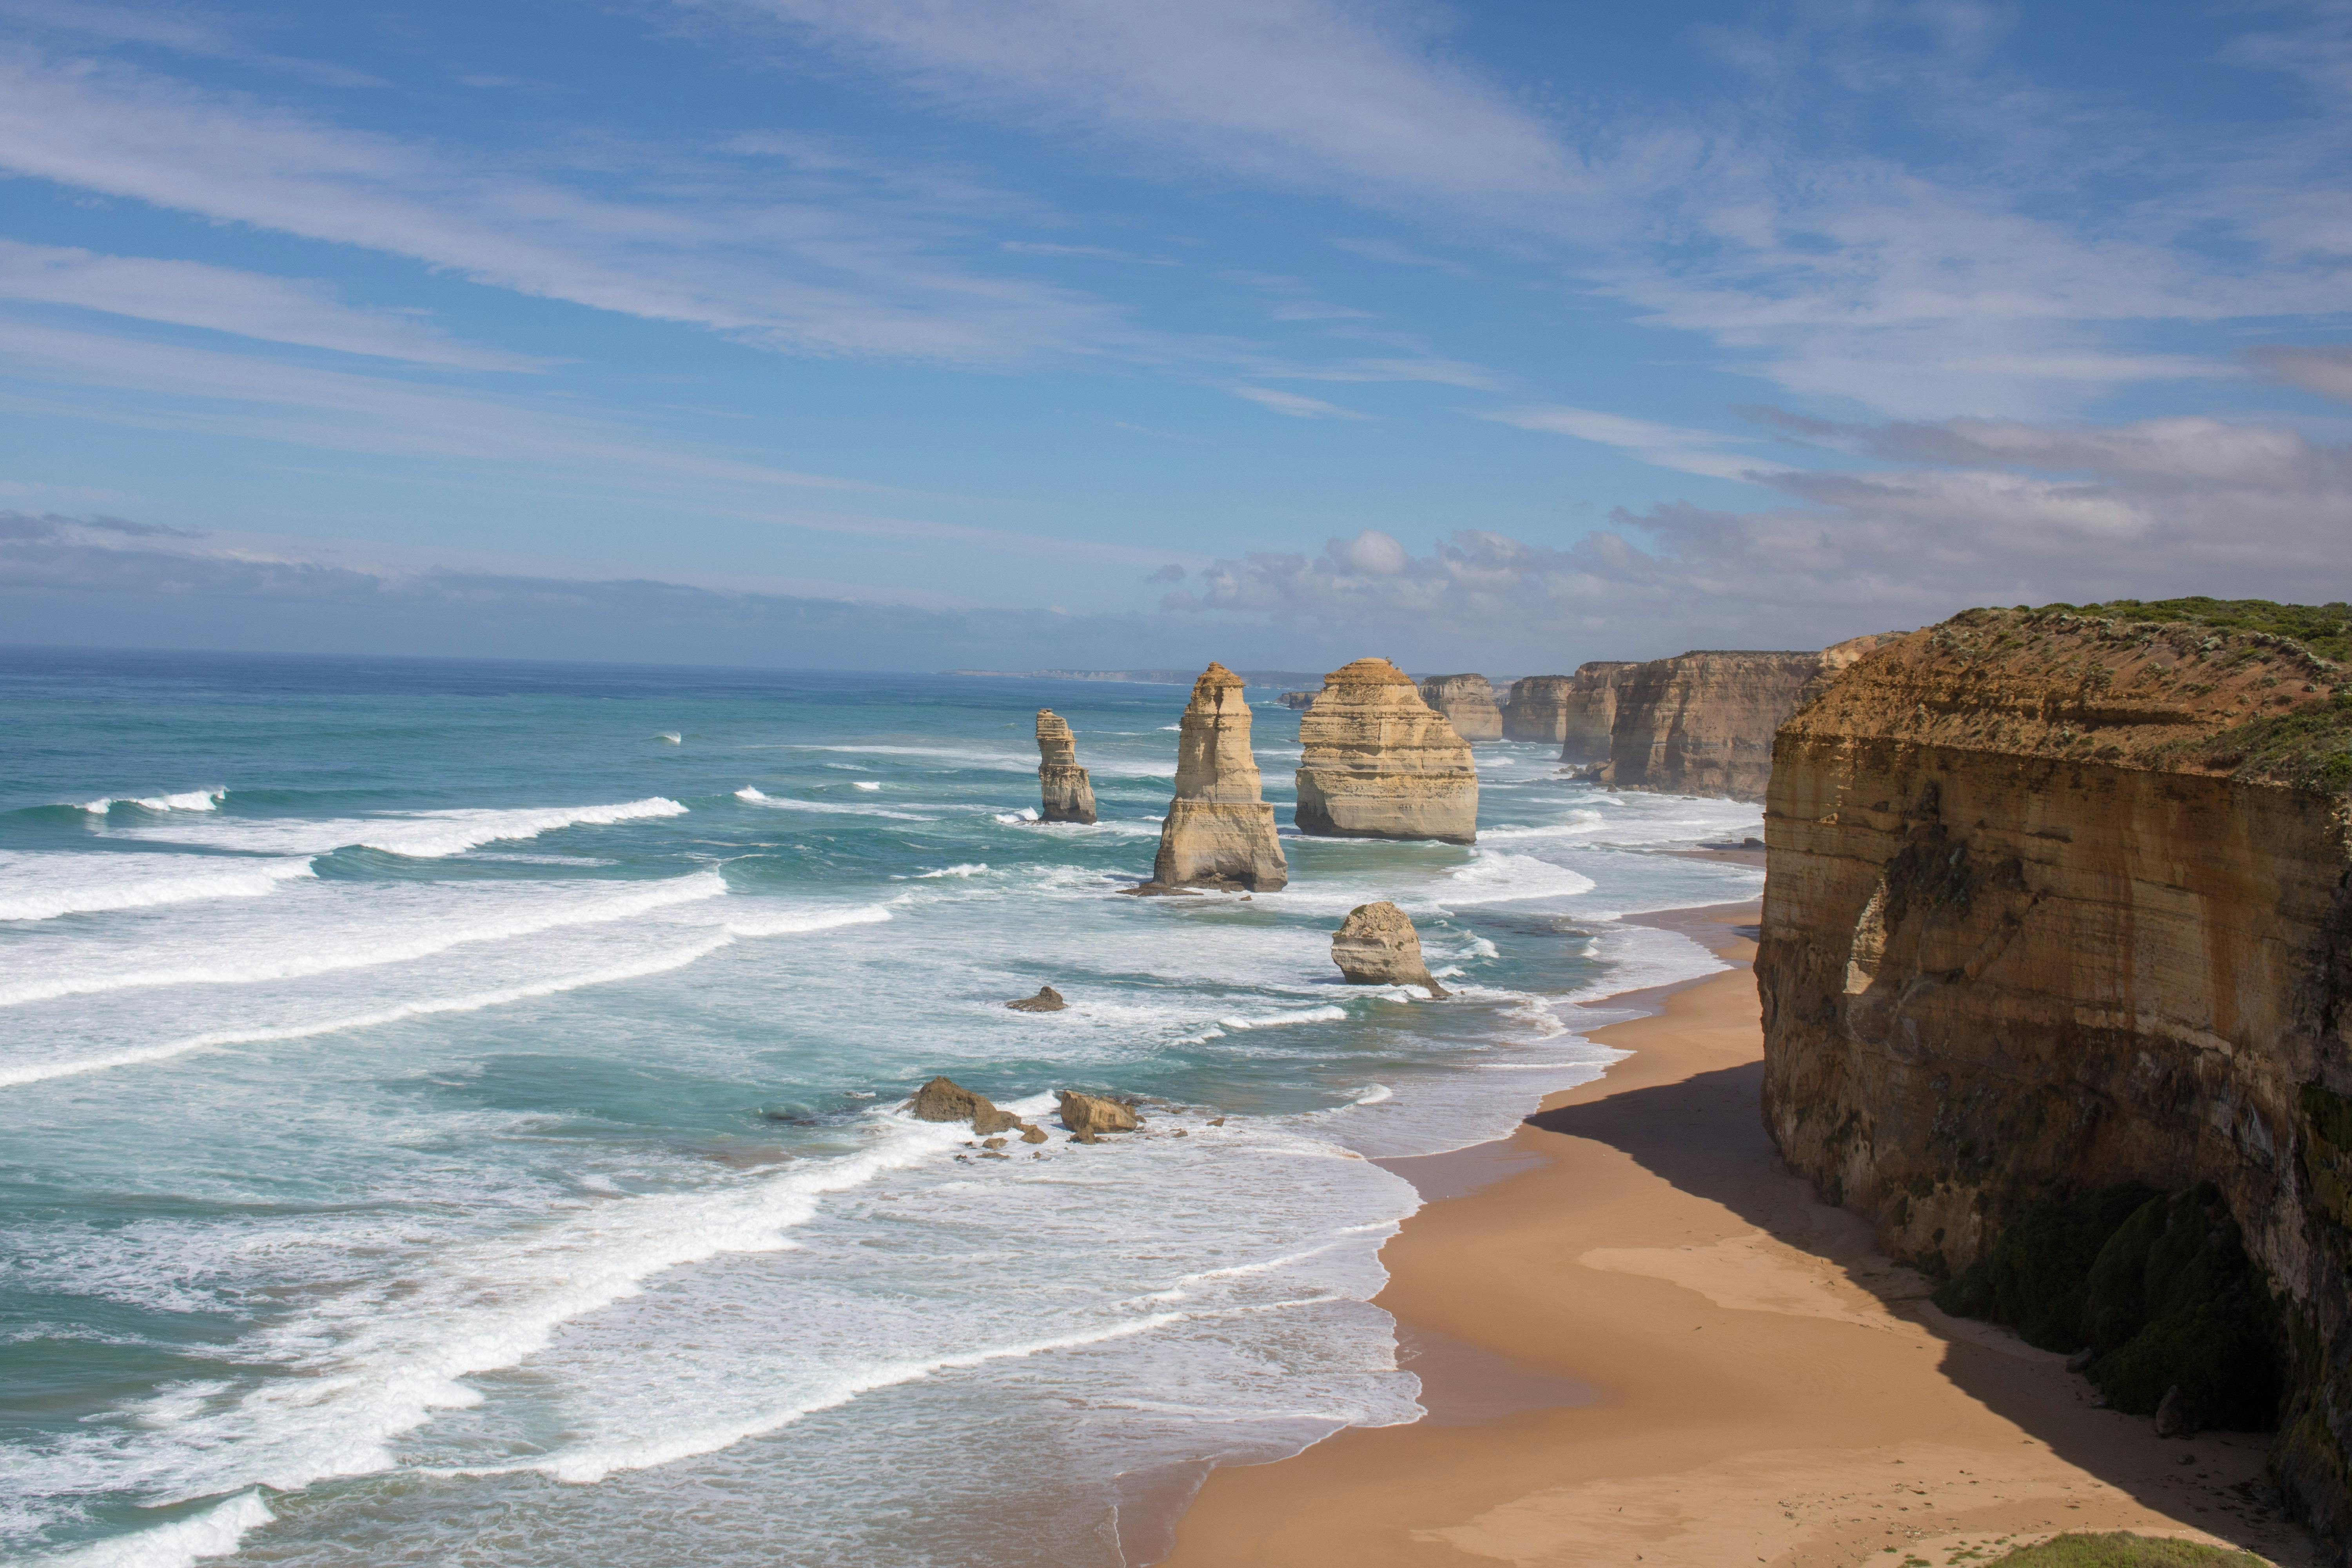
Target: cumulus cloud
(2148,509)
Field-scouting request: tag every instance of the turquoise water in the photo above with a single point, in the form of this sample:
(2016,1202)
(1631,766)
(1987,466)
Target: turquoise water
(448,1110)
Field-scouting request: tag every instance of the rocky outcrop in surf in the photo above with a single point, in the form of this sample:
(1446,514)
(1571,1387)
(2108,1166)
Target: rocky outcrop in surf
(1468,703)
(2059,915)
(1376,945)
(1219,832)
(1379,763)
(944,1099)
(1702,723)
(1047,1000)
(1068,794)
(1087,1116)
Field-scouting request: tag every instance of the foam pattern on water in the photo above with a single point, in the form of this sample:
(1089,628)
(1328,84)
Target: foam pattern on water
(400,1168)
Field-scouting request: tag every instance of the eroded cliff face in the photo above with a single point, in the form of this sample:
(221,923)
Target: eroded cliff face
(1468,703)
(1581,709)
(1067,793)
(1378,762)
(1219,831)
(1702,723)
(2051,908)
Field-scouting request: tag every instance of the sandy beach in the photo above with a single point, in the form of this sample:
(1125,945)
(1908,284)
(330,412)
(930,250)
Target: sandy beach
(1642,1341)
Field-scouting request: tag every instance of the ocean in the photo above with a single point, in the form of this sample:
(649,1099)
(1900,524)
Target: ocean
(448,1111)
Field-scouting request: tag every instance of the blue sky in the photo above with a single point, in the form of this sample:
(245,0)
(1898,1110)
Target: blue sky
(1020,332)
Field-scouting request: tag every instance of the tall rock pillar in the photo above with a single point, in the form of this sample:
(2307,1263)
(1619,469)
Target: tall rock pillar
(1068,795)
(1379,764)
(1220,831)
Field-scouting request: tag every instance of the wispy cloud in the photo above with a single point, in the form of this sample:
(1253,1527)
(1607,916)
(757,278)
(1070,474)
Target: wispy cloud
(1396,255)
(222,300)
(1080,253)
(1666,446)
(1294,405)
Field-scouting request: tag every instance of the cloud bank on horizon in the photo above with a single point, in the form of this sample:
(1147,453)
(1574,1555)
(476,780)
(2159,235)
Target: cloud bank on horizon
(927,332)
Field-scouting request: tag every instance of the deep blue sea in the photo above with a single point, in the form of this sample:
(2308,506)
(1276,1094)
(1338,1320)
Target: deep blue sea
(448,1111)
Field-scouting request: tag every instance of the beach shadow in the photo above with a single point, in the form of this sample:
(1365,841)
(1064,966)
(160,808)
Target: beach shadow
(1705,1136)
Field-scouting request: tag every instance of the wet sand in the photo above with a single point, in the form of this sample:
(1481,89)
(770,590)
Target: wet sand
(1641,1341)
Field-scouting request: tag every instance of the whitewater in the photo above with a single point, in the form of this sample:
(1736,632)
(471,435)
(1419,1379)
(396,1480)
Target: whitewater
(449,1111)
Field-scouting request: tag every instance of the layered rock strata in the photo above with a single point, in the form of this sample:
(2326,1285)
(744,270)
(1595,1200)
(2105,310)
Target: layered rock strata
(1376,945)
(1219,831)
(1068,794)
(2057,902)
(1378,762)
(1702,723)
(1578,711)
(1468,703)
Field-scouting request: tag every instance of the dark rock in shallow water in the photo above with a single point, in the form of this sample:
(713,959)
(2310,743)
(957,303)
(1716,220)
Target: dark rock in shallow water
(1047,1000)
(1088,1114)
(944,1099)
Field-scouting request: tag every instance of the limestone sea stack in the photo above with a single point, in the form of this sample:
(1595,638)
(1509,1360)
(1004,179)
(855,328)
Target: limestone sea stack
(1220,831)
(1069,795)
(1379,763)
(1468,703)
(1378,946)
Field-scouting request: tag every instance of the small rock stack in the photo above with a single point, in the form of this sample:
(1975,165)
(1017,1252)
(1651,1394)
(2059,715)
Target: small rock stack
(1379,763)
(1068,794)
(1220,831)
(1468,703)
(1378,946)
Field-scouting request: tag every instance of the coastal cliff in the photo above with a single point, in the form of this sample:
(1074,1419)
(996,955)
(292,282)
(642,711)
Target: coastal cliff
(1219,831)
(1068,795)
(2059,904)
(1702,722)
(1376,762)
(1581,709)
(1468,703)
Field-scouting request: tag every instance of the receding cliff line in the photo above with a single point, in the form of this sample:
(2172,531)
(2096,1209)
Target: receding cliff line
(1219,831)
(1702,723)
(1468,703)
(1377,762)
(1572,712)
(1068,795)
(2058,901)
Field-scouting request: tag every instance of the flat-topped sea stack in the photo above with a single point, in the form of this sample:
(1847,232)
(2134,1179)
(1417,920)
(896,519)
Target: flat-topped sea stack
(1220,831)
(1702,723)
(1468,703)
(1068,794)
(1379,763)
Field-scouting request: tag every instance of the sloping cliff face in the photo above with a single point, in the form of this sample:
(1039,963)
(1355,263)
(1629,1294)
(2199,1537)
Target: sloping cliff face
(1468,703)
(2060,901)
(1377,762)
(1068,794)
(1219,831)
(1702,723)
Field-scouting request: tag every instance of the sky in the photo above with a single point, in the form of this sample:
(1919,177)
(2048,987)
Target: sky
(926,335)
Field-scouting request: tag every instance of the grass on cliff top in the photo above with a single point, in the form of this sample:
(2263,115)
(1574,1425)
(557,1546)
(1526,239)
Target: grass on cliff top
(2123,1549)
(2324,629)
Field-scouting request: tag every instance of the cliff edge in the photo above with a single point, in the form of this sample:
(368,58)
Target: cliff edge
(2060,901)
(1702,722)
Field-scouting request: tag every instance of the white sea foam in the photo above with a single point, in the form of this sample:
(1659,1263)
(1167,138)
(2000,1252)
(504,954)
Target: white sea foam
(426,835)
(215,1532)
(842,807)
(637,969)
(1499,876)
(672,736)
(1012,818)
(38,886)
(366,949)
(799,921)
(187,800)
(867,784)
(966,868)
(1275,1020)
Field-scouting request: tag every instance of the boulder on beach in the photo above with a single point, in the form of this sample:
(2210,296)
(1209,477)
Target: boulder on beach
(1047,1000)
(944,1099)
(1085,1115)
(1376,945)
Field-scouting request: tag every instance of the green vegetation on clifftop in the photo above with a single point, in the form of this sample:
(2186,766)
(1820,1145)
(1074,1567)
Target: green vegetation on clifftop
(2122,1549)
(2324,629)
